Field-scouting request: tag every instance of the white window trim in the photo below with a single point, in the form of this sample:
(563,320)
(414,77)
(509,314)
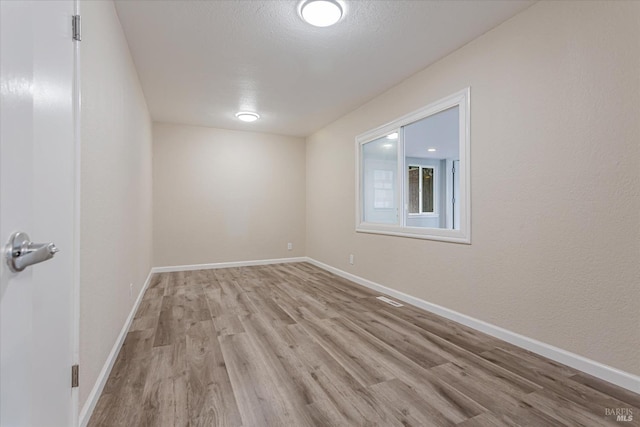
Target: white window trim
(463,235)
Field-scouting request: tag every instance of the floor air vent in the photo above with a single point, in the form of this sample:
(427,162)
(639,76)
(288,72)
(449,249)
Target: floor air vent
(390,301)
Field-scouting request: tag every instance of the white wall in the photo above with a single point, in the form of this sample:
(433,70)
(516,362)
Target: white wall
(222,195)
(115,187)
(555,151)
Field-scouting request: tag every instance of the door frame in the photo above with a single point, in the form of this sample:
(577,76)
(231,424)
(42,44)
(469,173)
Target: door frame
(77,116)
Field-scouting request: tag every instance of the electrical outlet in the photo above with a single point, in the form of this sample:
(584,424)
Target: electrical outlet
(289,246)
(130,290)
(351,259)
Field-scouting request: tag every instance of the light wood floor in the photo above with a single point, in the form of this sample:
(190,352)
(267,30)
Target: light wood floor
(293,345)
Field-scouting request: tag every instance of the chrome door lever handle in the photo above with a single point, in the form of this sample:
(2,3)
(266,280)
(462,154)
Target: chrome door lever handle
(21,252)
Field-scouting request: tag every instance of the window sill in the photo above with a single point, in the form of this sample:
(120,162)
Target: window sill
(437,234)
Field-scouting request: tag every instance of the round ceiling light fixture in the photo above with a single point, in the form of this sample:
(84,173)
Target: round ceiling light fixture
(247,116)
(321,13)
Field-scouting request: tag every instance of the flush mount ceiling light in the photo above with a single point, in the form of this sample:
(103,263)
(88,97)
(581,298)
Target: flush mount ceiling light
(247,116)
(321,13)
(393,135)
(431,150)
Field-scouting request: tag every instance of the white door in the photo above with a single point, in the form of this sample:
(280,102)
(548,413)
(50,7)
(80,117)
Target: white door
(37,196)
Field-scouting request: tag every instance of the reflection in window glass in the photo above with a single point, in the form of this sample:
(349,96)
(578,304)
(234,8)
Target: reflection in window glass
(420,192)
(380,163)
(414,189)
(427,190)
(382,189)
(431,144)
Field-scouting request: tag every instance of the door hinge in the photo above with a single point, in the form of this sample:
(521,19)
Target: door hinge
(75,376)
(76,28)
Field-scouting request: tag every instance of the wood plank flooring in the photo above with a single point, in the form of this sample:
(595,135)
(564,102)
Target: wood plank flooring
(294,345)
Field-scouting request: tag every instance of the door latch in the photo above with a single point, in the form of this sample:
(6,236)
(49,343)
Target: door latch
(21,252)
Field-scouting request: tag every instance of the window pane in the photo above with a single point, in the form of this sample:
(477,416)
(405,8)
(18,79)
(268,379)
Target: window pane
(427,190)
(414,189)
(380,160)
(432,144)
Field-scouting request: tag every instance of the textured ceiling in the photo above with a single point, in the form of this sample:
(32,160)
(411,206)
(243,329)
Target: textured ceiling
(202,61)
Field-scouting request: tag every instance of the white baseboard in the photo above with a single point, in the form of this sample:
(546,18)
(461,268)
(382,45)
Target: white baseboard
(92,400)
(226,264)
(607,373)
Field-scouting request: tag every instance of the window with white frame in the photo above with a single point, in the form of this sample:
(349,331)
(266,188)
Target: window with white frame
(413,174)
